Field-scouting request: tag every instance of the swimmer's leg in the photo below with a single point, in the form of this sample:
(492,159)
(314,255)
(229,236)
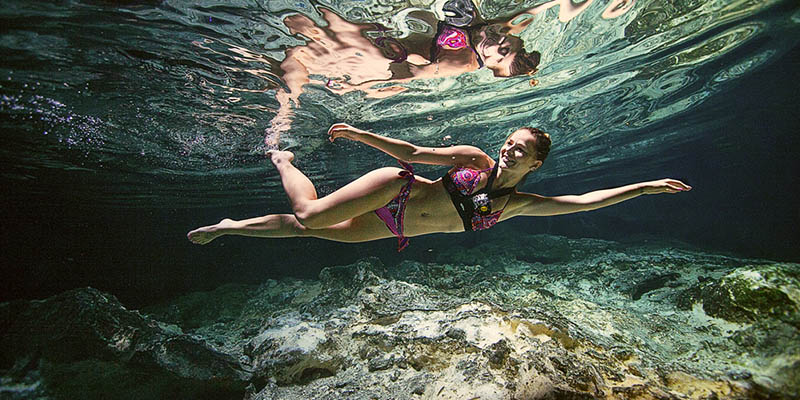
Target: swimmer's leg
(367,193)
(275,225)
(360,229)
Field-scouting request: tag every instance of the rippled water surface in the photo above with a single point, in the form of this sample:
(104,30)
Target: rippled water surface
(168,103)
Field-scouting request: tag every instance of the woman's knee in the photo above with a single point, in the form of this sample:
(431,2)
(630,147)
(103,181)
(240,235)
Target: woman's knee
(290,223)
(317,214)
(309,218)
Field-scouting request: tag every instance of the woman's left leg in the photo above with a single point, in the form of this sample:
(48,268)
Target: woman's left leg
(371,191)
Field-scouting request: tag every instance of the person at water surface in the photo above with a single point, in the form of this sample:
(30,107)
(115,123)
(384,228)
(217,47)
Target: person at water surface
(476,193)
(346,56)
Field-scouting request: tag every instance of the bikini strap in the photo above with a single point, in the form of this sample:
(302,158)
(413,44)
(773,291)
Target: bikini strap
(490,181)
(409,170)
(472,44)
(434,45)
(493,194)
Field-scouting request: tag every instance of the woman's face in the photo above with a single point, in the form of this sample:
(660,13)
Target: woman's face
(519,152)
(498,49)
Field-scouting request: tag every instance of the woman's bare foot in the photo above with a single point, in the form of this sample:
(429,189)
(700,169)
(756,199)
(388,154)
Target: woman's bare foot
(280,156)
(208,233)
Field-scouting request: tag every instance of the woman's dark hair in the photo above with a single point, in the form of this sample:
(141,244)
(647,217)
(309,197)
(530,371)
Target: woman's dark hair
(525,63)
(542,142)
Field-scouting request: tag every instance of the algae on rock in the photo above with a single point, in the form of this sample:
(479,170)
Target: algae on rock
(581,319)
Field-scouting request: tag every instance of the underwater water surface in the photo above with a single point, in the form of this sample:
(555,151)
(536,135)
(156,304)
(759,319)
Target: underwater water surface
(127,123)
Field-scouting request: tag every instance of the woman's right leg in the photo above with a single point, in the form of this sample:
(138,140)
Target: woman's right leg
(275,225)
(360,229)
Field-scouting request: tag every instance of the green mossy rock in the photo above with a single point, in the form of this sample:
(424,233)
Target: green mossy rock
(549,318)
(748,294)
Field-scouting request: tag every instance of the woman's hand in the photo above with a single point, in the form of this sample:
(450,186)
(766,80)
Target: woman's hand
(342,130)
(665,185)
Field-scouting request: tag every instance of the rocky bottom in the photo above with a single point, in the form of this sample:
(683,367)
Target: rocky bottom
(579,319)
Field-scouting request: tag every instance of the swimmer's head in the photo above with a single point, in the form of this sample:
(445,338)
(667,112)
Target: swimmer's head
(526,148)
(504,53)
(518,63)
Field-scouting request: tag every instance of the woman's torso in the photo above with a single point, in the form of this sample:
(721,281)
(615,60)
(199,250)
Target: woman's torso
(430,208)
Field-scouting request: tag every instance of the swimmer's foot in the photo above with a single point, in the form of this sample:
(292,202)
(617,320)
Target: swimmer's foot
(278,156)
(208,233)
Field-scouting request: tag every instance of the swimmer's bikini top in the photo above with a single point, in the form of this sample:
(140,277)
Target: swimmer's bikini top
(451,38)
(451,34)
(475,209)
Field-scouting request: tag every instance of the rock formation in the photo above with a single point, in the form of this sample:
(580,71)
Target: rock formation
(552,318)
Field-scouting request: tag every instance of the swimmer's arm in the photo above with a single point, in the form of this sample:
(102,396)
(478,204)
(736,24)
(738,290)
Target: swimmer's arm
(467,156)
(530,204)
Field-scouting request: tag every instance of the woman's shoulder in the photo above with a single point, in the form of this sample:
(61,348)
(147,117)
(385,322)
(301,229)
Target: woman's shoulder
(474,158)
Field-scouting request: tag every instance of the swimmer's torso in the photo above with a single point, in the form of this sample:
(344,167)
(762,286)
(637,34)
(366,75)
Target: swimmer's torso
(430,208)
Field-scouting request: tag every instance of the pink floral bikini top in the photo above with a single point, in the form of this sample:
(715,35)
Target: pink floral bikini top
(475,208)
(449,37)
(452,38)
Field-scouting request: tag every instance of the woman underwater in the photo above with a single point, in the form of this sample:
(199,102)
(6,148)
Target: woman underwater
(475,194)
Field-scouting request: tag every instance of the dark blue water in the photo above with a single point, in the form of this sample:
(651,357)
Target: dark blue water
(121,133)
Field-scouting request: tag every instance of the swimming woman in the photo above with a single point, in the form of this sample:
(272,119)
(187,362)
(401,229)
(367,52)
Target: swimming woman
(475,194)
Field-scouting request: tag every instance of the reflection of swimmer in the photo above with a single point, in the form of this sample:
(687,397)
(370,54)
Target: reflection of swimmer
(350,56)
(475,194)
(493,47)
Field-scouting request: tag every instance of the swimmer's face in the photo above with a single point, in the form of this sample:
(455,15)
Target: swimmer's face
(498,50)
(519,151)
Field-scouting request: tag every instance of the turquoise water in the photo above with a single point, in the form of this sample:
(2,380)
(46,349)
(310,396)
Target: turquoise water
(146,101)
(125,124)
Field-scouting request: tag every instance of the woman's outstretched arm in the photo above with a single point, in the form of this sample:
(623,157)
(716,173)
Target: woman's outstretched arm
(466,156)
(535,205)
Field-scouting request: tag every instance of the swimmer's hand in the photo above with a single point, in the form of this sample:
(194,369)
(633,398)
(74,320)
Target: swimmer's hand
(342,130)
(665,185)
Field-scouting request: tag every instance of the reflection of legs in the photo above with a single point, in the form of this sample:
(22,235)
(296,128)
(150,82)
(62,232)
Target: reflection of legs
(365,194)
(361,229)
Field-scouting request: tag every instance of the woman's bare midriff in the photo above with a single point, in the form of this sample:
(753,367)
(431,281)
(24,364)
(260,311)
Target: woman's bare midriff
(430,210)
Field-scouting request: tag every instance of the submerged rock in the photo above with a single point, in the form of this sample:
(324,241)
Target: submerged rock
(294,351)
(750,293)
(585,319)
(85,330)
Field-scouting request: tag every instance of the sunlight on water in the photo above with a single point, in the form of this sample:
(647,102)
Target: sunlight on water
(176,96)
